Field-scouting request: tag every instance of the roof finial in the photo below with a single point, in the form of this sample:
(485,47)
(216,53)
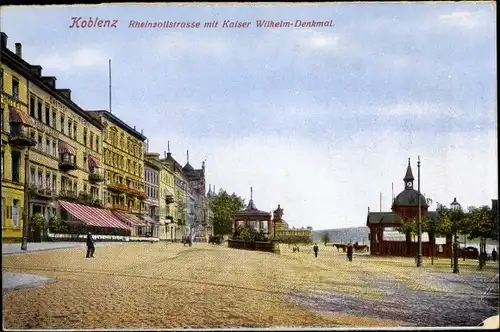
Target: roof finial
(409,161)
(187,154)
(251,193)
(168,146)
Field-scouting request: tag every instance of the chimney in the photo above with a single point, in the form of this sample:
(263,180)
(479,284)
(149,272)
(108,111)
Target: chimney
(66,93)
(19,50)
(142,131)
(50,81)
(36,70)
(4,39)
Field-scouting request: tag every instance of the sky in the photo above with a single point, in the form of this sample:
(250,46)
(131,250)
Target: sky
(319,120)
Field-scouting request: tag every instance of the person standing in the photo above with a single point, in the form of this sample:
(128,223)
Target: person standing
(315,248)
(494,255)
(90,246)
(349,252)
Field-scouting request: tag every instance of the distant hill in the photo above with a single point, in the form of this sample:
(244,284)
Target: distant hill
(343,235)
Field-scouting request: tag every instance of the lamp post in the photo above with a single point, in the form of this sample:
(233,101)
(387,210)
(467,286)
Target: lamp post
(24,242)
(419,256)
(455,208)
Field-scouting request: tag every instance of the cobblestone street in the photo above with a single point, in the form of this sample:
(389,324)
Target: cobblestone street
(162,285)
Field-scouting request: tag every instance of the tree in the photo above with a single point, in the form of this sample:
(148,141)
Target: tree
(408,227)
(223,206)
(483,226)
(325,238)
(432,226)
(452,223)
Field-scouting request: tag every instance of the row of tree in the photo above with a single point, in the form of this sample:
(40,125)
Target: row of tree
(223,205)
(476,222)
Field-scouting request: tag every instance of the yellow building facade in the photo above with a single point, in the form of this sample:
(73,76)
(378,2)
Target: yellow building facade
(64,158)
(284,232)
(14,95)
(123,159)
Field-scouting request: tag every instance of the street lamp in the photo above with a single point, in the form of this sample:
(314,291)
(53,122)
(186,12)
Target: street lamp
(455,208)
(419,256)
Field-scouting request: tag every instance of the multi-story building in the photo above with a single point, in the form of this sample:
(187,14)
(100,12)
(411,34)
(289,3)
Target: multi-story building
(152,167)
(64,162)
(15,124)
(123,158)
(178,227)
(196,201)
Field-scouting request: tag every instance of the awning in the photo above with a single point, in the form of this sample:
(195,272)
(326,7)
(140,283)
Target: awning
(129,218)
(66,148)
(18,116)
(150,220)
(94,162)
(93,216)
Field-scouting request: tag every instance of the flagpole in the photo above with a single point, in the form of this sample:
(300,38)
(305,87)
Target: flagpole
(109,72)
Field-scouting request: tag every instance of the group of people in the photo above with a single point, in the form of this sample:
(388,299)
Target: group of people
(350,251)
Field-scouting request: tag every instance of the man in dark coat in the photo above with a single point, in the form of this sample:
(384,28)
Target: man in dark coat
(349,252)
(494,255)
(90,245)
(315,248)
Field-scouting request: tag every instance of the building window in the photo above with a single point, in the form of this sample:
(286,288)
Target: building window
(63,129)
(32,106)
(54,181)
(40,142)
(4,207)
(32,176)
(47,115)
(70,128)
(15,88)
(39,110)
(85,136)
(54,118)
(47,146)
(15,214)
(2,165)
(92,140)
(47,181)
(74,130)
(39,183)
(97,144)
(16,163)
(54,148)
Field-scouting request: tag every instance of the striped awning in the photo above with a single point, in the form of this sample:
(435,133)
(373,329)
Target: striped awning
(129,218)
(93,216)
(150,220)
(18,116)
(66,148)
(94,162)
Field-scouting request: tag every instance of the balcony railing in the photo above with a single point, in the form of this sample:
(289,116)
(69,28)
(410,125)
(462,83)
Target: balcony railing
(118,188)
(20,136)
(41,192)
(120,207)
(68,194)
(67,162)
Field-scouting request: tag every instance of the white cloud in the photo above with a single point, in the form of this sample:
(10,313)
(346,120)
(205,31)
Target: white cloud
(464,19)
(67,58)
(331,184)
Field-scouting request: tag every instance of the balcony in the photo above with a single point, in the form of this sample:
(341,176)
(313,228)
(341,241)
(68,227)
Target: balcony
(67,162)
(120,207)
(137,193)
(68,195)
(117,188)
(169,199)
(96,175)
(20,136)
(40,192)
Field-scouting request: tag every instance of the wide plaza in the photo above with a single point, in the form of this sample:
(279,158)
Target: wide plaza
(158,285)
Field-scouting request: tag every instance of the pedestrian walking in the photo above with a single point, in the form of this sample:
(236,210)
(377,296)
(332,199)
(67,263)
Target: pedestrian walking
(90,245)
(349,252)
(494,255)
(315,248)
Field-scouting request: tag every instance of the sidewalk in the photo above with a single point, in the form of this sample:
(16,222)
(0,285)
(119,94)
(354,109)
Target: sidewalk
(15,248)
(15,281)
